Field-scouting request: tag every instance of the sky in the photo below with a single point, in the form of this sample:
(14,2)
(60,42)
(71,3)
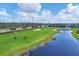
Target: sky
(39,12)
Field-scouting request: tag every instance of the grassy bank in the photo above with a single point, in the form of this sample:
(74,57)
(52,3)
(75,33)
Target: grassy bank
(18,42)
(74,33)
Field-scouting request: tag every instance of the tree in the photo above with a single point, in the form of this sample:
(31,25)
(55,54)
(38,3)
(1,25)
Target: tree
(77,31)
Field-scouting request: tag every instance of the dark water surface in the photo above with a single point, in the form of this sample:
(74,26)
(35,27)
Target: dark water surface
(64,45)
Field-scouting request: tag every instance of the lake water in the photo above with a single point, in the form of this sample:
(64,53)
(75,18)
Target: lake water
(64,45)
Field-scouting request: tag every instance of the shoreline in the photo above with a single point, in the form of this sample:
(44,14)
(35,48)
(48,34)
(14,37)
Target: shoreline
(25,50)
(75,34)
(40,41)
(38,45)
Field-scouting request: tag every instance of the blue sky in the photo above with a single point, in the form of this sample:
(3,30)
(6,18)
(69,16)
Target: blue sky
(40,12)
(54,7)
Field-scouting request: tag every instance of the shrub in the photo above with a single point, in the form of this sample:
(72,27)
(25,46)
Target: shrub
(15,37)
(25,37)
(77,31)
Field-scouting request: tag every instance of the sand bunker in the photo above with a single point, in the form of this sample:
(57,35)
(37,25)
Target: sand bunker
(4,30)
(36,29)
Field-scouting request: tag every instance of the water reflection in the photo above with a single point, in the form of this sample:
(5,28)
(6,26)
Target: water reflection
(64,45)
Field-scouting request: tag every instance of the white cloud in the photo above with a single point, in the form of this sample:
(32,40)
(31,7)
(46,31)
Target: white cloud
(46,16)
(3,12)
(68,15)
(29,12)
(46,13)
(65,18)
(4,15)
(72,9)
(30,7)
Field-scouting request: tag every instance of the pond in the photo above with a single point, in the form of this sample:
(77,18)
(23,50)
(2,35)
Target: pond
(64,45)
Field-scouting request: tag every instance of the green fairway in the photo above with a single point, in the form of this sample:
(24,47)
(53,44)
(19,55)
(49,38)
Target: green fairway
(17,42)
(74,33)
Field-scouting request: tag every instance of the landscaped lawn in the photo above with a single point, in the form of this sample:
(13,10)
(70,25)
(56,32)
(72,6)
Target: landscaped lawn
(13,43)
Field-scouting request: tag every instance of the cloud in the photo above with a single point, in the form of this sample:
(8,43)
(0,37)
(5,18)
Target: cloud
(31,12)
(30,7)
(46,16)
(4,15)
(68,15)
(26,17)
(28,12)
(3,12)
(46,13)
(29,15)
(71,8)
(65,18)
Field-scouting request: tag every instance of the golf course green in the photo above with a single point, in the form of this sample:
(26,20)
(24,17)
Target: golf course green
(17,43)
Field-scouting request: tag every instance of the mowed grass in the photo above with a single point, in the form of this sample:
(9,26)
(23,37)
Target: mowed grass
(10,44)
(74,33)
